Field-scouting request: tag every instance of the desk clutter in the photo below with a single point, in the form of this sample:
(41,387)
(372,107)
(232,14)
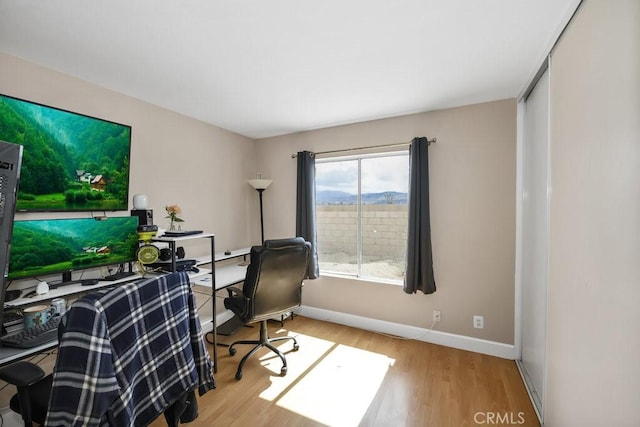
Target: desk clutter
(32,326)
(34,336)
(181,265)
(20,342)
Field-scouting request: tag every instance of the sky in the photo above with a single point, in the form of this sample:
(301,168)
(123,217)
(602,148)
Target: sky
(378,174)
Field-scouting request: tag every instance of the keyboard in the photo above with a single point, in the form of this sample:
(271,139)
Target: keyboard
(33,337)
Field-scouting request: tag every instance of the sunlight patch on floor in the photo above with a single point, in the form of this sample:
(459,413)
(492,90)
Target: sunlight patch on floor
(311,350)
(339,388)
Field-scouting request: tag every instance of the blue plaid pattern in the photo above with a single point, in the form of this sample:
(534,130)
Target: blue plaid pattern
(127,354)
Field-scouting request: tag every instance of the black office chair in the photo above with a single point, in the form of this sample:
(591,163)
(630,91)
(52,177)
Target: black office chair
(272,287)
(146,321)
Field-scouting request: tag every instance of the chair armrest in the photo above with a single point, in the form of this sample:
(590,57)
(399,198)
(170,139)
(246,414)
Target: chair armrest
(21,374)
(233,291)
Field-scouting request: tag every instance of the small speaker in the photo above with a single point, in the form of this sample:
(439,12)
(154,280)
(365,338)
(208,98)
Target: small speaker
(145,216)
(165,253)
(180,252)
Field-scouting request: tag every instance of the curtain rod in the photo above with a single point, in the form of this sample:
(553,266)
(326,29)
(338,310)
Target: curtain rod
(400,144)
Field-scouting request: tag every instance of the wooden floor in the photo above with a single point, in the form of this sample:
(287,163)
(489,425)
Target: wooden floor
(343,376)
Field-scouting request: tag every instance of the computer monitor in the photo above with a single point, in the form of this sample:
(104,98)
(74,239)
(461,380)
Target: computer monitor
(72,162)
(50,246)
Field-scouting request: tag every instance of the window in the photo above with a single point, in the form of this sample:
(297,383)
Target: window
(361,211)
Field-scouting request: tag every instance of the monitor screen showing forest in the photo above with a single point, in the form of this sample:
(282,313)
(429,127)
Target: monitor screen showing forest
(71,162)
(44,247)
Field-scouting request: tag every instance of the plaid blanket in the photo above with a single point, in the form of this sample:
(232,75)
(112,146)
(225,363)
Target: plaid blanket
(127,354)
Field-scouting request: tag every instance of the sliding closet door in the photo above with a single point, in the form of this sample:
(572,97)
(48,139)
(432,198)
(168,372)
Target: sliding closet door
(535,239)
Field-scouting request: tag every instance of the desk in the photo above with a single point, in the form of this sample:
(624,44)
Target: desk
(225,276)
(10,354)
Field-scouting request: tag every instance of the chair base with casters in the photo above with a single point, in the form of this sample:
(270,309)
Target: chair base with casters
(264,341)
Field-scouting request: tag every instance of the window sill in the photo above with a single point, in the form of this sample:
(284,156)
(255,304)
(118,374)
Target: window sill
(361,279)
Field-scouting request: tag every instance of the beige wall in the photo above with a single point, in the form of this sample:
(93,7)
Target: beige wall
(593,341)
(174,159)
(472,170)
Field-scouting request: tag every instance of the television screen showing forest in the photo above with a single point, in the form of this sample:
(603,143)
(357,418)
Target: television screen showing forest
(71,162)
(42,247)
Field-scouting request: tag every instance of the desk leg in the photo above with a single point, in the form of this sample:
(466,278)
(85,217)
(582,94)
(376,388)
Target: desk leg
(214,321)
(214,331)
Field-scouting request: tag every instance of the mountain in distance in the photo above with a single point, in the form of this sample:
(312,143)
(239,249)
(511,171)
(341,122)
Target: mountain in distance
(332,197)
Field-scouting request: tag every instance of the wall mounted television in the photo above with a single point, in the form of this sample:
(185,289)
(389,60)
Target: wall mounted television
(71,162)
(51,246)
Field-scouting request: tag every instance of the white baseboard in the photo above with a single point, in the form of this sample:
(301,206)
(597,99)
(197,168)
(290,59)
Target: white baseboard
(491,348)
(535,402)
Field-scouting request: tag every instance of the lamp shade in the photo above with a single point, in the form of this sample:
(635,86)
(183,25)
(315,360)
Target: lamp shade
(259,183)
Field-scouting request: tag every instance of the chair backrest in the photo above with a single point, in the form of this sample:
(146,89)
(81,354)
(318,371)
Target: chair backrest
(140,344)
(273,283)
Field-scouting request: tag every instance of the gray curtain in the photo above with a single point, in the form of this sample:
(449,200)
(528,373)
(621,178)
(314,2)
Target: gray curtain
(419,271)
(306,208)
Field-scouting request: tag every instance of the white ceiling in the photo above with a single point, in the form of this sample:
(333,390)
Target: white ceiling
(263,68)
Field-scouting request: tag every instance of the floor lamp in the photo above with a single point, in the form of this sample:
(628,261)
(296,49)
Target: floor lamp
(233,324)
(260,185)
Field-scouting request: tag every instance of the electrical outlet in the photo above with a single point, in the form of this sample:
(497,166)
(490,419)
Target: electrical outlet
(478,322)
(437,316)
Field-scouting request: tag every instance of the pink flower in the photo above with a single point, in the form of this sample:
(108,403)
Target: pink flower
(172,212)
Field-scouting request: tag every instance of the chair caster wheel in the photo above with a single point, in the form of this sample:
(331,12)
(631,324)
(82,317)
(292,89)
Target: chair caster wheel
(238,375)
(296,347)
(283,371)
(232,351)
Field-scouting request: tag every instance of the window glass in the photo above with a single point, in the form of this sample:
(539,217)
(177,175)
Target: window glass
(337,216)
(361,208)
